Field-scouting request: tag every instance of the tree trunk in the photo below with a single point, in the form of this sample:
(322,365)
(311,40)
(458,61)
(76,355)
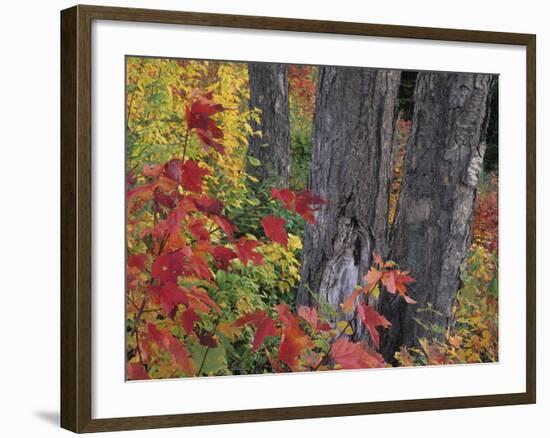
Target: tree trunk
(354,135)
(269,93)
(432,230)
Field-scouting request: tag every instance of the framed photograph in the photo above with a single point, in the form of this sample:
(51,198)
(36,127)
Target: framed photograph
(268,218)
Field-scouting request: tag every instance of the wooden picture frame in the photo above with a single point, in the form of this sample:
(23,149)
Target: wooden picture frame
(76,217)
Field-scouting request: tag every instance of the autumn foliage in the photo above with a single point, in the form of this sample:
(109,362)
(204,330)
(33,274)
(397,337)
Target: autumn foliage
(212,265)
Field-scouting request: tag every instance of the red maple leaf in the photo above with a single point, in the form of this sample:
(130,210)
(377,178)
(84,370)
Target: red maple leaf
(138,196)
(168,295)
(208,205)
(207,339)
(188,319)
(197,114)
(137,261)
(286,316)
(223,256)
(173,170)
(372,319)
(180,355)
(198,230)
(137,371)
(192,176)
(168,267)
(198,117)
(162,199)
(264,324)
(155,335)
(264,329)
(352,355)
(245,251)
(200,295)
(207,139)
(274,228)
(226,225)
(304,202)
(196,265)
(254,317)
(286,196)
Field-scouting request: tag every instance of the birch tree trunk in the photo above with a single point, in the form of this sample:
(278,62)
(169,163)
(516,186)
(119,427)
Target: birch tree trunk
(432,230)
(354,135)
(269,93)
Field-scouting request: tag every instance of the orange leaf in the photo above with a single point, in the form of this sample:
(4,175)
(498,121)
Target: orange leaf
(309,314)
(349,302)
(293,342)
(372,278)
(351,355)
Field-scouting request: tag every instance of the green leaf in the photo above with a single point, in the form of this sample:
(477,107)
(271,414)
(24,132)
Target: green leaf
(215,361)
(493,287)
(254,161)
(469,292)
(322,344)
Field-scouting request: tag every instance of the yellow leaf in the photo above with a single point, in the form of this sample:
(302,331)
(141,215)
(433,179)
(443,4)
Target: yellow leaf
(376,292)
(343,325)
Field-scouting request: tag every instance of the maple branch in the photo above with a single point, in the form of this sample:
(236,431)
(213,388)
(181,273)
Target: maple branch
(139,313)
(185,146)
(246,212)
(163,242)
(138,348)
(132,302)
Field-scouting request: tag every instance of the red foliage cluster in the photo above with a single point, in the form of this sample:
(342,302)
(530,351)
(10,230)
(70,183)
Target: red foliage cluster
(304,202)
(198,118)
(302,86)
(485,221)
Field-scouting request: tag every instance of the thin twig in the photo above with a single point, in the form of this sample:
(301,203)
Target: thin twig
(185,146)
(326,356)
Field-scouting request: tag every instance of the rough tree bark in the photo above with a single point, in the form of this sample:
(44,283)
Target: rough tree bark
(354,135)
(432,230)
(269,93)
